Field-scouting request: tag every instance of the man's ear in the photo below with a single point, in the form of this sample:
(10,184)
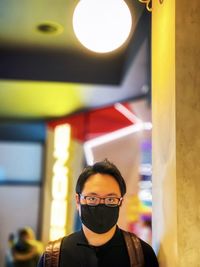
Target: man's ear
(121,202)
(77,201)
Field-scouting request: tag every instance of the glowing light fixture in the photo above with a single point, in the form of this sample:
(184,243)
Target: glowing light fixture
(109,137)
(102,25)
(59,203)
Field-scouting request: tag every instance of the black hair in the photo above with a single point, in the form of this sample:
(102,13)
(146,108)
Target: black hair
(22,233)
(103,167)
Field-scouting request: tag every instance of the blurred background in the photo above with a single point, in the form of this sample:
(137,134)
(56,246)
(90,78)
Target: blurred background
(63,106)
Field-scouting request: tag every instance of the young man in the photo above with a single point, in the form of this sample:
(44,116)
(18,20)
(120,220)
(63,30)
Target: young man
(100,243)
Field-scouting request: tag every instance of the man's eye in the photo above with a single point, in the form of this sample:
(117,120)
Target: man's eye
(92,199)
(111,200)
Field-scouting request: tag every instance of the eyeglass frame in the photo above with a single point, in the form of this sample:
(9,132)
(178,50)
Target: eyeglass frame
(99,200)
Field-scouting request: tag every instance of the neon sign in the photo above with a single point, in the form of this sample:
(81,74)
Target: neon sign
(59,190)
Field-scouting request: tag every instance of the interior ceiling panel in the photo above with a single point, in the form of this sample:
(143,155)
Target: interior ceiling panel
(49,74)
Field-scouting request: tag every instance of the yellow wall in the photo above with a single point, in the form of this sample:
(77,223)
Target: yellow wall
(176,131)
(163,116)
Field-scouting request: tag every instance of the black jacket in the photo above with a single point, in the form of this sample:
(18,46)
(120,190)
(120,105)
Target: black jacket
(76,252)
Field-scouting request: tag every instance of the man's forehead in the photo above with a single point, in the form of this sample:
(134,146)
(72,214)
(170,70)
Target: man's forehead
(112,194)
(101,184)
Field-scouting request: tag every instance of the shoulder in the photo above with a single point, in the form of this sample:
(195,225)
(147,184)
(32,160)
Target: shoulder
(70,245)
(67,243)
(150,258)
(146,247)
(71,239)
(149,254)
(64,242)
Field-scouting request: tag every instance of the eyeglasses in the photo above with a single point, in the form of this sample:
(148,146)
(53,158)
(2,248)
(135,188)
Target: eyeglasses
(108,201)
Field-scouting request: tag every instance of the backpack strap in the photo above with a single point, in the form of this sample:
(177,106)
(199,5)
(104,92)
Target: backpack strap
(134,248)
(52,253)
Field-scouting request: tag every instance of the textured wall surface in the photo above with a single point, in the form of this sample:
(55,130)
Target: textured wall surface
(176,131)
(188,130)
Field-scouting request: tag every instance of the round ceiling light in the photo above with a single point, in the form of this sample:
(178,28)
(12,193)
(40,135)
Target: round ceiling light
(102,25)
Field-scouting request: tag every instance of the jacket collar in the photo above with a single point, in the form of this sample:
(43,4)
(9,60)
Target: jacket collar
(116,240)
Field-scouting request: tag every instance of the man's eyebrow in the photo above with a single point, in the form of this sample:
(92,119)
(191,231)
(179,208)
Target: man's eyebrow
(92,193)
(112,194)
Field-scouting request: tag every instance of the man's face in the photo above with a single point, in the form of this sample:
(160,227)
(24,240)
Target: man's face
(100,185)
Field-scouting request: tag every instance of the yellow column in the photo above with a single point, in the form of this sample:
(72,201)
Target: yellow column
(176,131)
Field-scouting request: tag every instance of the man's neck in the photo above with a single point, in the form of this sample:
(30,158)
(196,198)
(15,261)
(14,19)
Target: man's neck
(95,239)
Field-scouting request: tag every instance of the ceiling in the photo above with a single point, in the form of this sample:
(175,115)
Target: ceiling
(47,74)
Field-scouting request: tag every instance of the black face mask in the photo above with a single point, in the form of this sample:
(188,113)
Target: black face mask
(99,219)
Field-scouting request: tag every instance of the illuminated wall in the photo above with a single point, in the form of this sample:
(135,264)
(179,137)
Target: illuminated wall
(63,164)
(60,182)
(176,131)
(56,185)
